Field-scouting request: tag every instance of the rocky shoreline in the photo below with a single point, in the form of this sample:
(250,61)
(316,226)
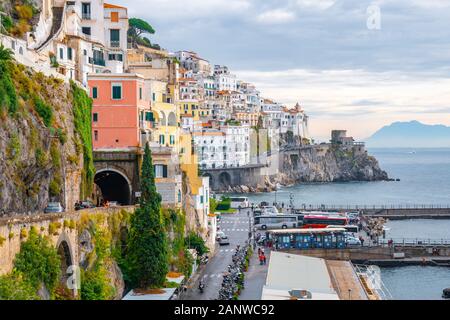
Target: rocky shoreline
(319,164)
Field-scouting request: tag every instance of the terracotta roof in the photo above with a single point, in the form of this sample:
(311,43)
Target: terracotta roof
(112,6)
(217,134)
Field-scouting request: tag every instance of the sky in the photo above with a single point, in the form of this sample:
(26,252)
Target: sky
(351,64)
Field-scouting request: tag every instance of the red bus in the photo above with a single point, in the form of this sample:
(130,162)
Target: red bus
(319,222)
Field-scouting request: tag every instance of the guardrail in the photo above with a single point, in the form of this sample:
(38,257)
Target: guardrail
(372,207)
(416,242)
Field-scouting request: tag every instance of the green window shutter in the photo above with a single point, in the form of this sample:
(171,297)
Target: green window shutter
(161,139)
(94,92)
(149,116)
(117,92)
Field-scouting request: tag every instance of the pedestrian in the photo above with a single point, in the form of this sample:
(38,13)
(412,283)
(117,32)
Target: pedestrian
(264,259)
(261,259)
(259,251)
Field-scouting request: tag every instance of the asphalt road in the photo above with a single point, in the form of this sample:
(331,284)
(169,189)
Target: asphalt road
(236,227)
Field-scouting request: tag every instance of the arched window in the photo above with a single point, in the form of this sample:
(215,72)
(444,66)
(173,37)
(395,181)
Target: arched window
(172,120)
(163,118)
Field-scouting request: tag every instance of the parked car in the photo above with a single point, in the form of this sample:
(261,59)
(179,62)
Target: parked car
(54,207)
(223,241)
(113,204)
(219,234)
(269,210)
(352,241)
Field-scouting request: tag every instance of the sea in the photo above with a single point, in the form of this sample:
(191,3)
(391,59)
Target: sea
(424,180)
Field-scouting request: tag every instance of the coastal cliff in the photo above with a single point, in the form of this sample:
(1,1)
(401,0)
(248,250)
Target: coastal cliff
(320,163)
(329,164)
(46,138)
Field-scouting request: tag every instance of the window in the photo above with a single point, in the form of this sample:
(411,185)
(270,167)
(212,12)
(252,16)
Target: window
(161,139)
(160,171)
(201,199)
(149,116)
(86,10)
(140,93)
(179,195)
(94,93)
(154,96)
(69,53)
(86,30)
(61,53)
(95,117)
(172,139)
(117,91)
(114,17)
(115,37)
(95,135)
(85,52)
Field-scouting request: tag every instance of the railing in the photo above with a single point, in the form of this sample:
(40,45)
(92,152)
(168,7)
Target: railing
(98,62)
(86,16)
(114,43)
(372,276)
(372,207)
(414,242)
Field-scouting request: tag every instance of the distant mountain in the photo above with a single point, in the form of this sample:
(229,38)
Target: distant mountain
(410,135)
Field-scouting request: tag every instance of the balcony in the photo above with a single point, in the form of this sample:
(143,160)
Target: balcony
(86,16)
(97,61)
(114,43)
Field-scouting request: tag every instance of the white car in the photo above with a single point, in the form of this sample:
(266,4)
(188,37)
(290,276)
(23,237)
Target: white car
(269,210)
(219,234)
(352,241)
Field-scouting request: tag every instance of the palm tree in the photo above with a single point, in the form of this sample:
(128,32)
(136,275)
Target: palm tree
(6,54)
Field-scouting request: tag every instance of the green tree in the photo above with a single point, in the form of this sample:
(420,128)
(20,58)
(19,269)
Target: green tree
(137,27)
(39,262)
(14,287)
(196,242)
(147,256)
(5,53)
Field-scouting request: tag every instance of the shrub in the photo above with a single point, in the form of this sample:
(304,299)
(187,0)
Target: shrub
(14,287)
(194,241)
(41,158)
(44,111)
(224,205)
(39,262)
(55,186)
(13,148)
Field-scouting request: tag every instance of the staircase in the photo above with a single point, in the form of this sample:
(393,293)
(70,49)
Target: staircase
(58,13)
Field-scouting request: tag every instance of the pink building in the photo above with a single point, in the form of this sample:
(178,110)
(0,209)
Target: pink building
(121,117)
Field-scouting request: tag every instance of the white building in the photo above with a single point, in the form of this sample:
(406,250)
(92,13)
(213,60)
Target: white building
(224,148)
(225,81)
(79,37)
(192,61)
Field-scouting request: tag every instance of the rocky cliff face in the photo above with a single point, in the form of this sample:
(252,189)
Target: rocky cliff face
(329,164)
(320,163)
(42,154)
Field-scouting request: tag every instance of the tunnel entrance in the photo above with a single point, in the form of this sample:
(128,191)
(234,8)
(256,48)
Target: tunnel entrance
(114,187)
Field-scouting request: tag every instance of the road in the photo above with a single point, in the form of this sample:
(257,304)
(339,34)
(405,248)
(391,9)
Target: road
(236,227)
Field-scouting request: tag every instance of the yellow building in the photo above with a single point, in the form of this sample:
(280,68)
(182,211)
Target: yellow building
(190,107)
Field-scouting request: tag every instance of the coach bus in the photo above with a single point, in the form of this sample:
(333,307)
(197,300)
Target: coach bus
(318,222)
(239,202)
(281,221)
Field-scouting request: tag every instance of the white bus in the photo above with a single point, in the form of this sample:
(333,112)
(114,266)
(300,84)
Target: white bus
(281,221)
(239,202)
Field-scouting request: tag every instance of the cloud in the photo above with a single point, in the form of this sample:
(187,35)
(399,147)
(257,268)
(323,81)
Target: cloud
(277,16)
(360,100)
(316,4)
